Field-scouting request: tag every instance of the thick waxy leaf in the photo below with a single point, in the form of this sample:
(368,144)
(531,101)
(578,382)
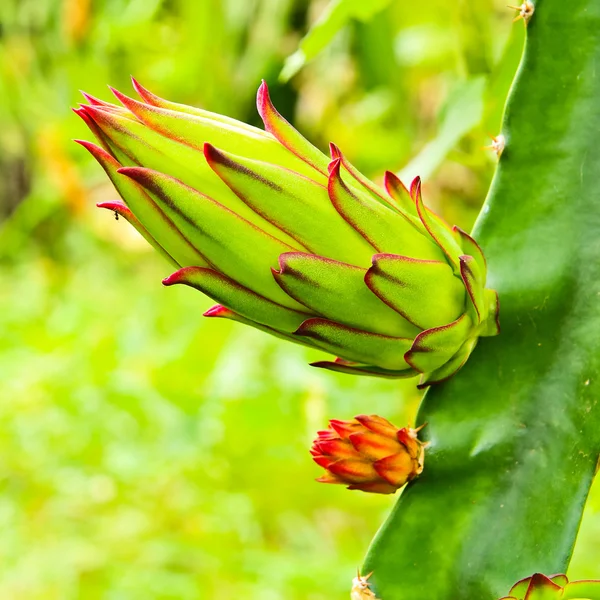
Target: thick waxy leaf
(153,151)
(337,291)
(158,227)
(233,245)
(434,347)
(286,134)
(397,190)
(370,348)
(369,371)
(238,298)
(425,292)
(515,435)
(196,130)
(437,228)
(384,228)
(297,205)
(121,210)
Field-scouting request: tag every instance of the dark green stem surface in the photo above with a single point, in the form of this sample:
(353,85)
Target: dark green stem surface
(515,436)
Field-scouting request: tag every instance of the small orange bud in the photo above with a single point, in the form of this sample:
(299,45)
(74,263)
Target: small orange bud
(368,453)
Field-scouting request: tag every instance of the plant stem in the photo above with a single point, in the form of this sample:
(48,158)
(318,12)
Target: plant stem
(515,436)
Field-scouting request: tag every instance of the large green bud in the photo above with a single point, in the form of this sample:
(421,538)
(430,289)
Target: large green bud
(293,242)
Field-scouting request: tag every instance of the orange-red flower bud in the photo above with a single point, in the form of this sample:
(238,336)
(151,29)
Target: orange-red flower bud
(368,453)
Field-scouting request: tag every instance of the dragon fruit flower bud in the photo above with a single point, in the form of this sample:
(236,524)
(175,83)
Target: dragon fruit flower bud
(555,587)
(368,453)
(293,242)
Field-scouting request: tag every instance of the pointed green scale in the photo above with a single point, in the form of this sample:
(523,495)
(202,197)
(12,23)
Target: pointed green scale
(543,588)
(100,136)
(491,324)
(451,366)
(382,227)
(437,227)
(560,579)
(287,135)
(233,245)
(222,312)
(425,292)
(397,190)
(337,291)
(154,221)
(297,205)
(238,298)
(351,344)
(369,371)
(105,142)
(434,347)
(361,185)
(121,210)
(150,98)
(359,181)
(471,247)
(471,275)
(148,148)
(196,130)
(520,588)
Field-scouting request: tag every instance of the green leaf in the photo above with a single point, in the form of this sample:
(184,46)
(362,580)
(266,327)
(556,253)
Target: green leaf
(515,435)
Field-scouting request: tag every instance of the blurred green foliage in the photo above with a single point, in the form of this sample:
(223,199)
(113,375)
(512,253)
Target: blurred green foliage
(150,453)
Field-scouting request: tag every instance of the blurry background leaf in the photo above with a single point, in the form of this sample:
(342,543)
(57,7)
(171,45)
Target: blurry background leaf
(461,113)
(336,16)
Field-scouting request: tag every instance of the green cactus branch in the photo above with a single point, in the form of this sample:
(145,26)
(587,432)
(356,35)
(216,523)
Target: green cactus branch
(515,436)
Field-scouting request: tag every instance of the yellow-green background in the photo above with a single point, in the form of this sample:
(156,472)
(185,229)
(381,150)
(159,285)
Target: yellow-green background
(146,452)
